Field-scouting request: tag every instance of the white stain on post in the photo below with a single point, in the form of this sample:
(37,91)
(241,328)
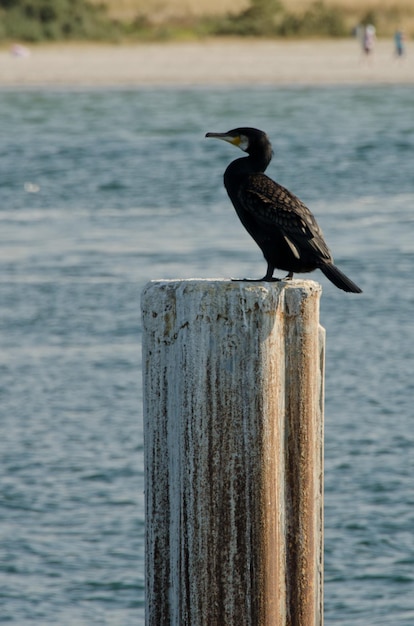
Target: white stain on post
(233,405)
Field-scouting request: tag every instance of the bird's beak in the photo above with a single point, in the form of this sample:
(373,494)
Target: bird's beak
(235,140)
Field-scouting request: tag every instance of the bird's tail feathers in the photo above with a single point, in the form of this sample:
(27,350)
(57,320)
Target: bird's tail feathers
(339,279)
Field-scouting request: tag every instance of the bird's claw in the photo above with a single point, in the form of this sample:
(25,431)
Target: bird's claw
(256,280)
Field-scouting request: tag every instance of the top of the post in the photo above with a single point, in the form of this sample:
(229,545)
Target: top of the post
(310,287)
(218,292)
(227,285)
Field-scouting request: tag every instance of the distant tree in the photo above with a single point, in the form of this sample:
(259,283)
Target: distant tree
(258,19)
(37,20)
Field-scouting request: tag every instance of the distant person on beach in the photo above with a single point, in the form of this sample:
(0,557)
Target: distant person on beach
(368,39)
(399,42)
(19,51)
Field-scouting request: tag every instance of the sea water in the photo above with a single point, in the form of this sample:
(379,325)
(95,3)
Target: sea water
(102,191)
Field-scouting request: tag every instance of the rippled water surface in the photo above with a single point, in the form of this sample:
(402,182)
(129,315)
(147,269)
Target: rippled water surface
(102,191)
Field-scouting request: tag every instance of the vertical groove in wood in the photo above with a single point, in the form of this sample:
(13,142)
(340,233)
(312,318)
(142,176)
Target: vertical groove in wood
(233,404)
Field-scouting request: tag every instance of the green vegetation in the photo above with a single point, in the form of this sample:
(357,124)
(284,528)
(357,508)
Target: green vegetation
(54,20)
(319,20)
(271,18)
(59,20)
(259,19)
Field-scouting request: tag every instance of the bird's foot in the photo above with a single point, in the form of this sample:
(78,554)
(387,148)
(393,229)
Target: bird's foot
(265,279)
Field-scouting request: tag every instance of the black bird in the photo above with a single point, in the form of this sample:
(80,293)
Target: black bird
(281,225)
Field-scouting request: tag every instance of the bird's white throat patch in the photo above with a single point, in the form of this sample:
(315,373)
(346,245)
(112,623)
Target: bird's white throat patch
(243,142)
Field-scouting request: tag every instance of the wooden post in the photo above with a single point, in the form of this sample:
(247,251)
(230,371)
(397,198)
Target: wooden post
(233,405)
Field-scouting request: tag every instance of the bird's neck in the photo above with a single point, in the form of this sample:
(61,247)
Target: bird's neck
(249,165)
(237,171)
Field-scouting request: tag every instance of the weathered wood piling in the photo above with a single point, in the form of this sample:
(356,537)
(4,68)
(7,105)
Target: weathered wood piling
(233,410)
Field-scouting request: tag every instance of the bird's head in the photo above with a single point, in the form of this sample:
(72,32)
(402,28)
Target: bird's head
(251,140)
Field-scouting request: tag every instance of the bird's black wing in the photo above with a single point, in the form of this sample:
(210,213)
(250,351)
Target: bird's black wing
(273,204)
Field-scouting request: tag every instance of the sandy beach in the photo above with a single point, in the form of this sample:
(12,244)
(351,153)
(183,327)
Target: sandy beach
(214,62)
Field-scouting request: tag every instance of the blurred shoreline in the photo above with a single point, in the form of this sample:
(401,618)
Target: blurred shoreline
(210,62)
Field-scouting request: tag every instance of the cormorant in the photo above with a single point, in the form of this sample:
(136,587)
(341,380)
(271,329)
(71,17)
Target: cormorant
(281,225)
